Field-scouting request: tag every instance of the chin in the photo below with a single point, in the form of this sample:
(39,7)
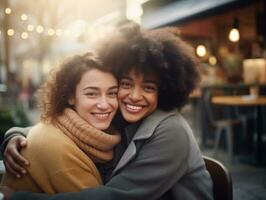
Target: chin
(131,119)
(101,126)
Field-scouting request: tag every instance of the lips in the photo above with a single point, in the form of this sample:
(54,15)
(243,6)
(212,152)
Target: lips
(101,116)
(133,108)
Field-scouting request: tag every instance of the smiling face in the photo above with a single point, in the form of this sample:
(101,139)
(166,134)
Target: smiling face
(95,98)
(137,96)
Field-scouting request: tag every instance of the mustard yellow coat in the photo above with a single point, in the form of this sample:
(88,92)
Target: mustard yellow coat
(56,164)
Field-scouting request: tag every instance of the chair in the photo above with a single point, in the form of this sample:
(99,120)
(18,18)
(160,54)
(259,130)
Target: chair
(221,125)
(221,178)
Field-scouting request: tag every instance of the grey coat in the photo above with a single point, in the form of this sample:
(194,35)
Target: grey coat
(163,161)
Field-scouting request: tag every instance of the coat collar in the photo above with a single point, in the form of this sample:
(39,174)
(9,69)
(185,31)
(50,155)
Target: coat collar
(143,131)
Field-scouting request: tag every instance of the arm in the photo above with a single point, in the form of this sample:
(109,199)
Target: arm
(11,133)
(13,143)
(158,165)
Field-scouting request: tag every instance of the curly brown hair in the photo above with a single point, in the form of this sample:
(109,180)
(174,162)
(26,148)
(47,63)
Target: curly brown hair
(60,86)
(158,52)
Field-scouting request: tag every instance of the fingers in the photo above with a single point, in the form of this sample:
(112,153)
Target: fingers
(14,161)
(14,147)
(17,157)
(12,170)
(22,141)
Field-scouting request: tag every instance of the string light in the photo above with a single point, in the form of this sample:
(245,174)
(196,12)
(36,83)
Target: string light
(23,17)
(39,29)
(51,32)
(8,11)
(10,32)
(24,35)
(30,27)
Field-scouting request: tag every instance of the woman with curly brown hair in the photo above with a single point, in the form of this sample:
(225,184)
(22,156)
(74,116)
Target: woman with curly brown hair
(159,156)
(76,107)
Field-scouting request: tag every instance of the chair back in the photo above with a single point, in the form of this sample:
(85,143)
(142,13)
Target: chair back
(208,107)
(221,178)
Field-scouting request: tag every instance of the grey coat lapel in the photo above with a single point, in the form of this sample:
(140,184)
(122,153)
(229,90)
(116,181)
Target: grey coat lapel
(145,131)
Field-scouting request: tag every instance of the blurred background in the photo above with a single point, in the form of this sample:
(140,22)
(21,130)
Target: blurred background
(229,39)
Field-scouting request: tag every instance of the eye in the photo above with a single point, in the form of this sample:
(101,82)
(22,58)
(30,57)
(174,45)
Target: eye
(112,94)
(91,94)
(125,84)
(150,88)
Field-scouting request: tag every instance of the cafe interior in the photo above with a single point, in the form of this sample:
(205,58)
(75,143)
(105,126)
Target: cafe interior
(228,109)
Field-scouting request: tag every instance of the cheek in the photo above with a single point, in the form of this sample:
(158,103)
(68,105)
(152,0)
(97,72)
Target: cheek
(114,104)
(121,94)
(84,103)
(154,101)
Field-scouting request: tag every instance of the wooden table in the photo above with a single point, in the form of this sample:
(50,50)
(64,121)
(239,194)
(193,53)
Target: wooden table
(257,102)
(239,100)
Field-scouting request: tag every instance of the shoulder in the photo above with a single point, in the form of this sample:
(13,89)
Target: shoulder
(49,148)
(170,130)
(47,136)
(47,142)
(168,124)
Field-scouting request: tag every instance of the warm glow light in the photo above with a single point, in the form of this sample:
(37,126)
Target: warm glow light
(108,18)
(212,60)
(30,27)
(23,17)
(58,32)
(201,50)
(134,10)
(10,32)
(24,35)
(51,32)
(67,32)
(39,29)
(8,11)
(234,35)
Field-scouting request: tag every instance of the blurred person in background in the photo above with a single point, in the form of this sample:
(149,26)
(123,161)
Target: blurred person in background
(158,156)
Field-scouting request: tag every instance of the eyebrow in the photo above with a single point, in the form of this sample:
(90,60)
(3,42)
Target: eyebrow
(152,82)
(96,88)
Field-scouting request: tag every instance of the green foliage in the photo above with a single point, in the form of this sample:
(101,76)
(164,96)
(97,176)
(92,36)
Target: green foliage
(12,116)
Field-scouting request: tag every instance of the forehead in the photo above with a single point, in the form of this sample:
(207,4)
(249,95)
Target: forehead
(96,77)
(137,75)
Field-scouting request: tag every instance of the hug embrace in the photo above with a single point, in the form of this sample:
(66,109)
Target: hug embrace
(110,126)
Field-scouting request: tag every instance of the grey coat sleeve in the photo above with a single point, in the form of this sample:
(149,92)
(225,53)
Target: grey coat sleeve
(11,133)
(160,162)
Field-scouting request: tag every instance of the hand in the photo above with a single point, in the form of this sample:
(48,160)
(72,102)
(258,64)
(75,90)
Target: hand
(5,192)
(14,162)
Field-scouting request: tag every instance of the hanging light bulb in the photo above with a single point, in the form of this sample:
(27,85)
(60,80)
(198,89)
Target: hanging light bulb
(234,34)
(201,50)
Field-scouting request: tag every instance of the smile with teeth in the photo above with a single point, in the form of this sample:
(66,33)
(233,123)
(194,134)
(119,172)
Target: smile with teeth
(133,108)
(101,116)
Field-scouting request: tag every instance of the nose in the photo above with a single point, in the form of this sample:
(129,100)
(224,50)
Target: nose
(103,103)
(135,94)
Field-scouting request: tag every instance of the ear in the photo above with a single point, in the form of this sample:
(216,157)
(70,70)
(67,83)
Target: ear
(71,101)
